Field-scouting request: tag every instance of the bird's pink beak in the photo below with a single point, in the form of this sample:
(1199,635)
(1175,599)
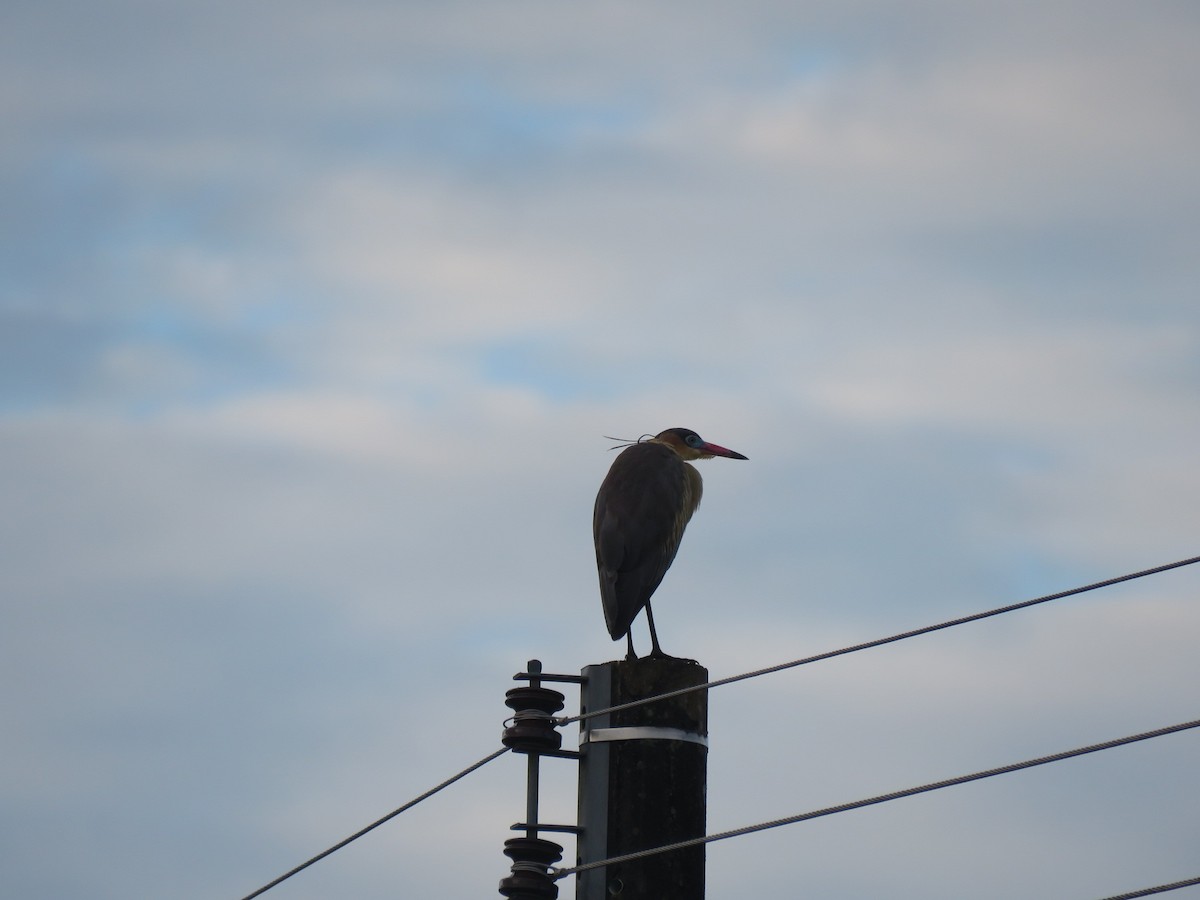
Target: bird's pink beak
(717,450)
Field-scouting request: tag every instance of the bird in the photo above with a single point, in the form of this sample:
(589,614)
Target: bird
(643,506)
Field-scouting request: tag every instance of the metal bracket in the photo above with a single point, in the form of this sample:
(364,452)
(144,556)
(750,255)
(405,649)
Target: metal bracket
(561,679)
(641,733)
(542,826)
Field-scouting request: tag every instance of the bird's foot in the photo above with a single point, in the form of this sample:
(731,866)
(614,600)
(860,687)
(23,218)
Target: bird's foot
(657,653)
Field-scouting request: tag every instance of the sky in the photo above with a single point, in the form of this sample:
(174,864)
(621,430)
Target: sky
(314,319)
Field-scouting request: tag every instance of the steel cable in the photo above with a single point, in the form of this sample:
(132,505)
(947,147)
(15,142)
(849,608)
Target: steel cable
(1159,889)
(879,642)
(561,873)
(354,837)
(882,798)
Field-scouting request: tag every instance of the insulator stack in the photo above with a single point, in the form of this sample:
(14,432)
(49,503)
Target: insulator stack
(533,732)
(530,878)
(533,729)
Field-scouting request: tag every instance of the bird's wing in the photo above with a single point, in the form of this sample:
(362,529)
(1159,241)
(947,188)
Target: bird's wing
(640,515)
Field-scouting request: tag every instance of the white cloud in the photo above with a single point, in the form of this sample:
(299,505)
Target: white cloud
(317,321)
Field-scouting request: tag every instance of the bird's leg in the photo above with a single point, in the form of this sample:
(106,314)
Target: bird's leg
(656,651)
(630,655)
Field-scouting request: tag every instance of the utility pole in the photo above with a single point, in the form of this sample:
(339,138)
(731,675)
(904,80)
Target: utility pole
(642,780)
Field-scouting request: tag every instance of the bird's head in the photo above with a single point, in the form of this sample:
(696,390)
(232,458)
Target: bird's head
(690,445)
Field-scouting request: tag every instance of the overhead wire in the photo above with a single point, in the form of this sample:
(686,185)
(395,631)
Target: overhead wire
(561,873)
(879,642)
(354,837)
(557,873)
(1158,889)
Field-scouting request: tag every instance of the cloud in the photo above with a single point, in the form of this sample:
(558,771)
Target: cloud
(312,322)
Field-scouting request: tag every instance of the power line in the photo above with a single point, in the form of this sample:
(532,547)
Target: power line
(561,873)
(567,720)
(1160,889)
(354,837)
(882,798)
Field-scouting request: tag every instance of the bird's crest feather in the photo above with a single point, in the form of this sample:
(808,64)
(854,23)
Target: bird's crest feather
(626,442)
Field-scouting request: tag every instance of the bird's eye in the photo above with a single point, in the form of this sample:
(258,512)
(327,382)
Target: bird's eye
(693,440)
